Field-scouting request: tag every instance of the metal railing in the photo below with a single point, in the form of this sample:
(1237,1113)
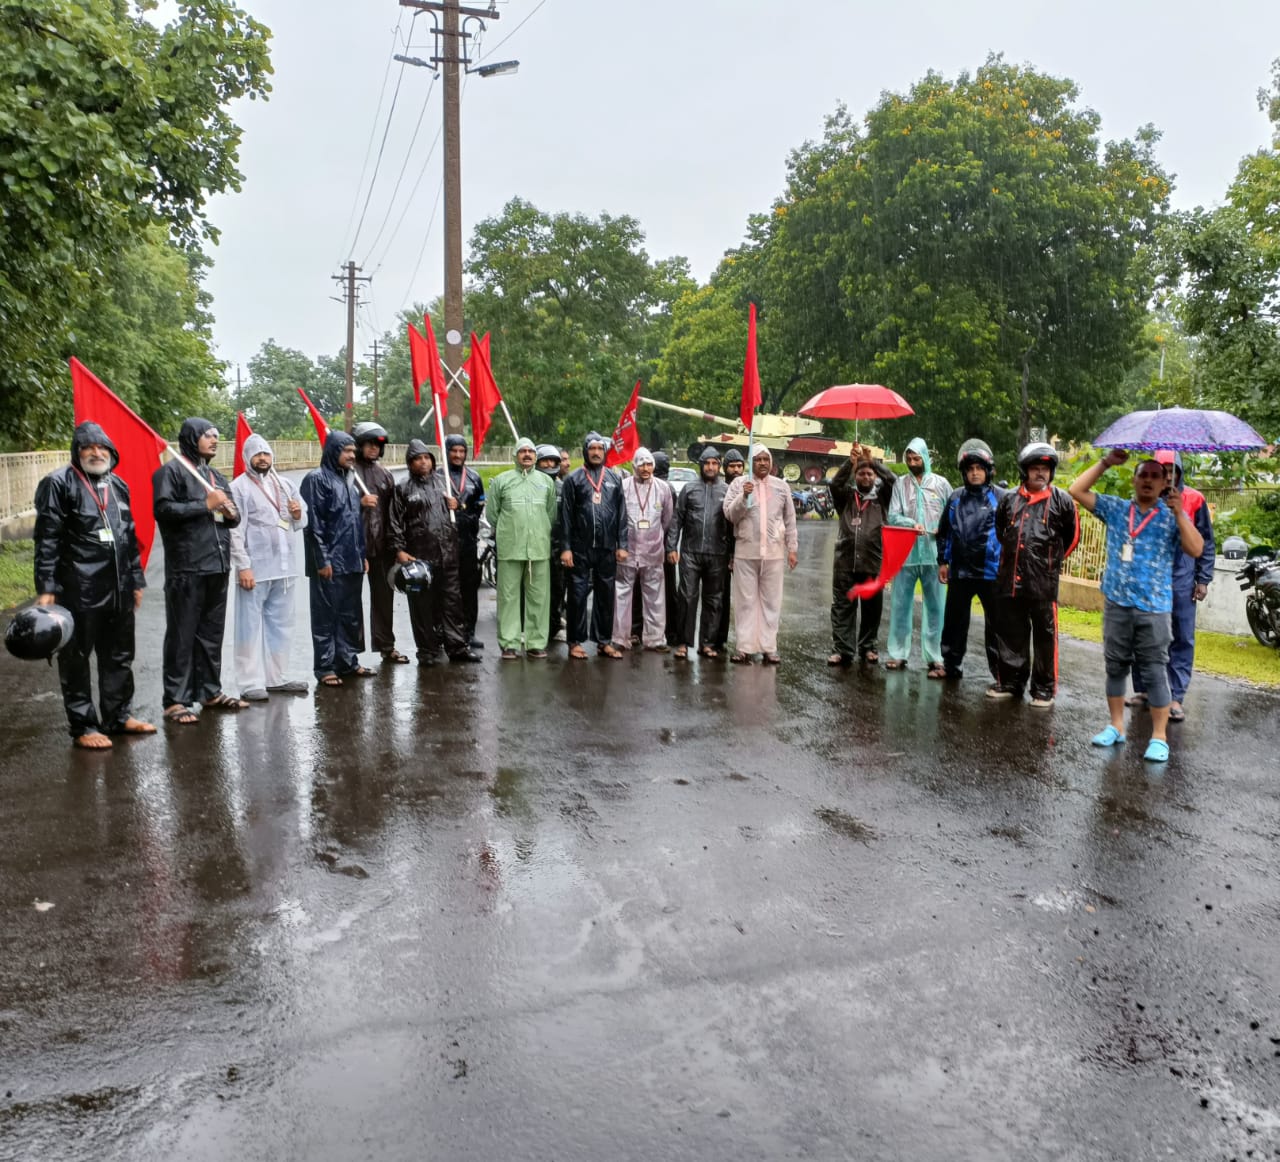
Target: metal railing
(21,472)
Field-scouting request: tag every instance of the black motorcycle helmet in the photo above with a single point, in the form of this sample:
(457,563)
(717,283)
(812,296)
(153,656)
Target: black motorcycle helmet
(1038,453)
(661,465)
(368,432)
(38,632)
(411,577)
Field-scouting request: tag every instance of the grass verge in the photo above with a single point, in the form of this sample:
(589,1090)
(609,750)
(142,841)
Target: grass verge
(16,582)
(1223,654)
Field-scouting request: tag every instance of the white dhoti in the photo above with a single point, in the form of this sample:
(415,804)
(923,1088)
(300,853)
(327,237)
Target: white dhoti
(264,626)
(757,605)
(650,580)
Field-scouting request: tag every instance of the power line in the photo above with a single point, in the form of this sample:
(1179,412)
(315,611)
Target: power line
(409,203)
(517,28)
(373,181)
(425,239)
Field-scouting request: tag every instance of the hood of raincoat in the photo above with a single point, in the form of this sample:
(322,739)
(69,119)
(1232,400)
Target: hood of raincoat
(733,456)
(762,451)
(710,452)
(417,448)
(454,442)
(91,433)
(333,446)
(189,437)
(661,465)
(642,456)
(921,449)
(525,442)
(255,445)
(593,438)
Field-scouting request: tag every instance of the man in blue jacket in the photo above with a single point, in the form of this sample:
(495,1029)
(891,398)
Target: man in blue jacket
(334,540)
(969,557)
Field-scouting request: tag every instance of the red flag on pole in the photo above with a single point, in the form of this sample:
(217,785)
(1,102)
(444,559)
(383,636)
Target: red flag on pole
(626,436)
(751,397)
(898,543)
(322,426)
(243,432)
(139,446)
(419,362)
(439,388)
(485,395)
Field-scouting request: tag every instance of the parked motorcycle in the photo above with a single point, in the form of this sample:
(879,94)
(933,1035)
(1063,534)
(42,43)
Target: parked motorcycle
(1260,576)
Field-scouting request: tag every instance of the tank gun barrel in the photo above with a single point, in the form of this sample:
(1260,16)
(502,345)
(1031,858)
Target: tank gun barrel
(730,423)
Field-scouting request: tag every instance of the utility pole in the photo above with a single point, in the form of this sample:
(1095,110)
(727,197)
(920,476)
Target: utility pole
(374,355)
(451,37)
(351,296)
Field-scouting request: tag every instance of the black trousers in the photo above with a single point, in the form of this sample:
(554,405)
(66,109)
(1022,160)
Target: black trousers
(1027,626)
(108,633)
(436,614)
(381,605)
(469,585)
(559,593)
(848,638)
(195,615)
(720,634)
(592,578)
(956,618)
(701,583)
(337,623)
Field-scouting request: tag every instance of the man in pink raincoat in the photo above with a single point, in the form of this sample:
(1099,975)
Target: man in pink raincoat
(650,507)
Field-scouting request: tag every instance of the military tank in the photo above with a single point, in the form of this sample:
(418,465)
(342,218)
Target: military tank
(800,451)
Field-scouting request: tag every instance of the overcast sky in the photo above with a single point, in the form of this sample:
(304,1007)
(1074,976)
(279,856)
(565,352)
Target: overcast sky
(679,112)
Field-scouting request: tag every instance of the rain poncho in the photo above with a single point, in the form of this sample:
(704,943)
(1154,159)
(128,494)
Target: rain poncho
(195,539)
(920,501)
(335,534)
(649,508)
(264,539)
(523,510)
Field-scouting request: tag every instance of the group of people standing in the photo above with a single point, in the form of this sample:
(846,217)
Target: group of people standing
(622,558)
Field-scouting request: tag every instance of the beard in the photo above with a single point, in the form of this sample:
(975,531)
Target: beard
(917,470)
(96,467)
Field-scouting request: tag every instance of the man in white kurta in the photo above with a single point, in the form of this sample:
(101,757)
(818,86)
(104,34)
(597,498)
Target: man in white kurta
(763,516)
(262,555)
(650,508)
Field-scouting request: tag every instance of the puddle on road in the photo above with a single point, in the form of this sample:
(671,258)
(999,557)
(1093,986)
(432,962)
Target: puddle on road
(850,826)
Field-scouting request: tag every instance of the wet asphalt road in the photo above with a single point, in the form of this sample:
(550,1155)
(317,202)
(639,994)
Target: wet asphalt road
(641,910)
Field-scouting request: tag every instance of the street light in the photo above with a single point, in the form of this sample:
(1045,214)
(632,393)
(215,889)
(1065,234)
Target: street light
(501,69)
(413,60)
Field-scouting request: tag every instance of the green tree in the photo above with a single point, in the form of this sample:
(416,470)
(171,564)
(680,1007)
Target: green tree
(270,399)
(109,125)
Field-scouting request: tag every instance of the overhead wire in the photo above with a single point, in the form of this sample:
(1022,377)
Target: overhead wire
(518,27)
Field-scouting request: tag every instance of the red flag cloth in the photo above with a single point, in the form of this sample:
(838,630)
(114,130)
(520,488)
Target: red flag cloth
(322,427)
(626,436)
(419,362)
(243,432)
(439,388)
(485,395)
(898,543)
(751,397)
(139,446)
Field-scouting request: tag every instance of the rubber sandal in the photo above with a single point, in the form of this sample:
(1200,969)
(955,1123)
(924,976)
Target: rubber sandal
(937,673)
(682,652)
(577,653)
(105,744)
(331,680)
(1157,751)
(360,672)
(395,656)
(895,664)
(772,659)
(537,655)
(134,726)
(741,659)
(708,652)
(609,651)
(1136,700)
(871,658)
(1109,736)
(1178,715)
(223,701)
(181,716)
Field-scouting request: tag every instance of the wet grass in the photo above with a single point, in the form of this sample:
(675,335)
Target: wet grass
(16,580)
(1222,654)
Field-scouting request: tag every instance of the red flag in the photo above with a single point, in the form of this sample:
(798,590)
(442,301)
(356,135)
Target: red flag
(419,362)
(898,543)
(439,388)
(138,444)
(485,395)
(626,436)
(322,427)
(751,397)
(243,432)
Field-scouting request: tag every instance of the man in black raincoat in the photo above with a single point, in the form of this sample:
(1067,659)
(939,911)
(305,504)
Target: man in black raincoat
(375,498)
(87,560)
(593,526)
(698,538)
(195,514)
(334,540)
(734,464)
(420,528)
(860,490)
(468,490)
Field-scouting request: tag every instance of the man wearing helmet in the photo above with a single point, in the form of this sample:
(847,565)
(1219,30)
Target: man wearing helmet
(594,530)
(375,499)
(969,556)
(87,560)
(917,502)
(698,540)
(1191,578)
(1038,527)
(468,488)
(1143,536)
(419,529)
(522,508)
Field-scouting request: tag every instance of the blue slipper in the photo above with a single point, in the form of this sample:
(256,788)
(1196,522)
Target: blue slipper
(1157,751)
(1108,737)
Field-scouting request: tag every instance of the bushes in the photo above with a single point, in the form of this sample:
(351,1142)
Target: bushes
(1258,523)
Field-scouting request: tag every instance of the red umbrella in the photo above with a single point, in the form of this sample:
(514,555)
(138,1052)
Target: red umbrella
(857,401)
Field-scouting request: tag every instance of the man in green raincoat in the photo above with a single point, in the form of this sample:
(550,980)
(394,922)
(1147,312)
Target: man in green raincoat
(522,508)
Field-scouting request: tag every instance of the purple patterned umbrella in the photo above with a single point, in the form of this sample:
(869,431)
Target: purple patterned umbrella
(1183,429)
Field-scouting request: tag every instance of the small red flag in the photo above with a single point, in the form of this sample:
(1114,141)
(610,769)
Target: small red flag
(897,545)
(322,426)
(751,397)
(439,388)
(485,395)
(626,436)
(139,446)
(243,432)
(419,363)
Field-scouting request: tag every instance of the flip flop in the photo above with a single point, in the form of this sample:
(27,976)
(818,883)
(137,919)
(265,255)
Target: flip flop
(134,726)
(331,680)
(741,659)
(895,664)
(1109,736)
(937,673)
(871,658)
(181,716)
(1178,715)
(1136,700)
(682,652)
(1157,751)
(708,652)
(222,701)
(105,744)
(609,651)
(577,653)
